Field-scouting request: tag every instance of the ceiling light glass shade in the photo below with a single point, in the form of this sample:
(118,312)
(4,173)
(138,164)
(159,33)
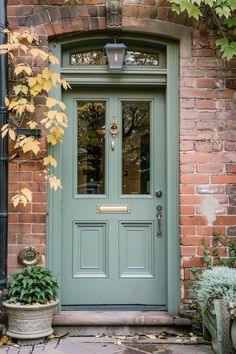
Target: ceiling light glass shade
(115,53)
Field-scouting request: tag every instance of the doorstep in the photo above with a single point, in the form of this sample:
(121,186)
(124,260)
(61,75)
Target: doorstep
(116,322)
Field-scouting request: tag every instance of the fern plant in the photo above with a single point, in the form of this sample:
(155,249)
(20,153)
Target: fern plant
(32,284)
(215,283)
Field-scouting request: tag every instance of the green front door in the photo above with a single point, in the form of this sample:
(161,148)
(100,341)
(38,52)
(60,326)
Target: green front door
(114,221)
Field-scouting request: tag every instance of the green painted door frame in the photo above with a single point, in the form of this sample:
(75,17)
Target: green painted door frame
(164,78)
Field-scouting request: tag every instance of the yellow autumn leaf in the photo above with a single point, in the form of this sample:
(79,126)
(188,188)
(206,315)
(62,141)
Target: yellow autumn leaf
(51,114)
(36,89)
(12,104)
(16,200)
(54,182)
(35,52)
(4,340)
(50,102)
(49,160)
(48,85)
(22,101)
(55,135)
(52,139)
(12,134)
(19,68)
(17,89)
(62,119)
(46,73)
(65,84)
(19,198)
(52,76)
(30,144)
(32,81)
(20,88)
(30,108)
(53,59)
(4,130)
(32,124)
(27,193)
(40,79)
(7,102)
(24,196)
(20,109)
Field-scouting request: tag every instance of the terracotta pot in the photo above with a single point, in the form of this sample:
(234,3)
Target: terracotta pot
(30,324)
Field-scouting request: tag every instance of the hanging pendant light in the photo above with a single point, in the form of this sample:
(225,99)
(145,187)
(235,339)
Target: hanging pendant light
(115,53)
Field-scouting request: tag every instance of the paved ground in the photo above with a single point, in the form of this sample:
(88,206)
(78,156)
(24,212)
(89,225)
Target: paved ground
(113,345)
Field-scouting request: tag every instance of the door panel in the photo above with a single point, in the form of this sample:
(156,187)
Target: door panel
(113,162)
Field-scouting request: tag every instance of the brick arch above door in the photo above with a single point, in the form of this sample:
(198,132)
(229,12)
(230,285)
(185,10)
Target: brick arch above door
(55,18)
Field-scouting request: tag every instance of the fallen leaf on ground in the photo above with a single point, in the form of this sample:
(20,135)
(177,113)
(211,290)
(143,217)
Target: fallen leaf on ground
(151,336)
(4,340)
(136,337)
(194,338)
(51,336)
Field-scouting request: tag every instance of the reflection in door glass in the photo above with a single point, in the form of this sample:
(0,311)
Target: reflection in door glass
(91,147)
(136,147)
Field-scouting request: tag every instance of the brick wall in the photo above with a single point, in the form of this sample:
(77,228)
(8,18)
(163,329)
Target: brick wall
(207,127)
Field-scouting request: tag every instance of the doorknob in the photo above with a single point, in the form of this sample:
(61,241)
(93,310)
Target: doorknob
(159,215)
(158,194)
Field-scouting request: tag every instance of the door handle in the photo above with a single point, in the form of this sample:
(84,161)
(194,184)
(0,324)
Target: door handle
(159,215)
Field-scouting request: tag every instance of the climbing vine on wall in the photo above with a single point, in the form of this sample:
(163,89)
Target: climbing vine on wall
(30,107)
(222,14)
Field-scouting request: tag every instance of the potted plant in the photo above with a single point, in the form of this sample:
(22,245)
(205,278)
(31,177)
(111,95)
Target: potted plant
(30,303)
(215,290)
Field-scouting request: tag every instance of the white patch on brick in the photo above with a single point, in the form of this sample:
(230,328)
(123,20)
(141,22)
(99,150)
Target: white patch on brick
(209,206)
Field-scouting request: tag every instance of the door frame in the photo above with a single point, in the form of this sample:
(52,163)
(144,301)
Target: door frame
(168,78)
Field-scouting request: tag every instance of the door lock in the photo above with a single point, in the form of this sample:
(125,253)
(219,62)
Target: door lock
(158,194)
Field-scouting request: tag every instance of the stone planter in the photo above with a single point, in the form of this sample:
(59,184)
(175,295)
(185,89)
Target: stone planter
(217,327)
(233,333)
(30,324)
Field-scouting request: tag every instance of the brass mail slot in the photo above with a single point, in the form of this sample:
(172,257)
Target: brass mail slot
(103,209)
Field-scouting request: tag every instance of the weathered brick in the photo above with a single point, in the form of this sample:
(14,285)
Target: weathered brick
(194,220)
(187,210)
(231,230)
(194,178)
(210,189)
(230,168)
(223,179)
(209,167)
(187,251)
(207,83)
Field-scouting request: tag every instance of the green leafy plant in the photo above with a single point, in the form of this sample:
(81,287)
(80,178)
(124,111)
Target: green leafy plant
(216,283)
(221,13)
(32,284)
(212,260)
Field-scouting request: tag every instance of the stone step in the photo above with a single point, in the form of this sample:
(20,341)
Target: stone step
(116,322)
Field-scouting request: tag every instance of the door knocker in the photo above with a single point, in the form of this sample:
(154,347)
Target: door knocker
(114,129)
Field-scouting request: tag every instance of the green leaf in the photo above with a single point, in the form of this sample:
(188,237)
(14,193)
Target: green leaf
(29,286)
(176,8)
(223,11)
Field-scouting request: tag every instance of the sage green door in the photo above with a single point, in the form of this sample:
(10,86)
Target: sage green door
(114,239)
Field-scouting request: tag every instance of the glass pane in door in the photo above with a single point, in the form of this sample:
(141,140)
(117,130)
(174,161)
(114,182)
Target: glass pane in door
(136,147)
(91,147)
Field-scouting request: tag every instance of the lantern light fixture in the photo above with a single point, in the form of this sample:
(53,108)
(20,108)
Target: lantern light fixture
(115,53)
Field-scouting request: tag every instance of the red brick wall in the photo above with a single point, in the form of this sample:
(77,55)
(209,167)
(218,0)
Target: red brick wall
(207,126)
